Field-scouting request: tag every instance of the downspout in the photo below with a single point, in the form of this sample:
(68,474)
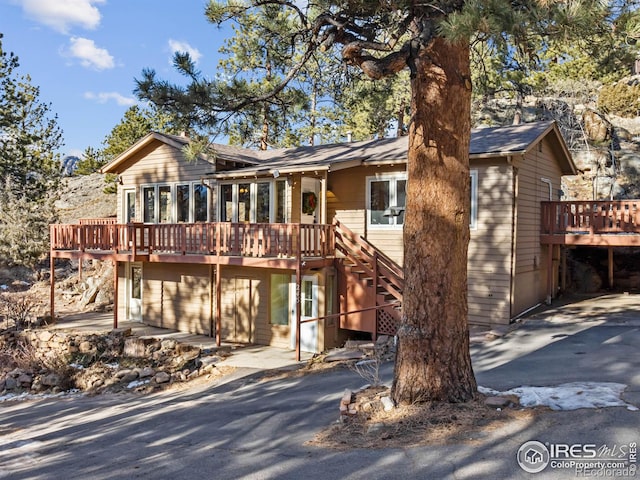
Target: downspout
(550,250)
(548,182)
(514,233)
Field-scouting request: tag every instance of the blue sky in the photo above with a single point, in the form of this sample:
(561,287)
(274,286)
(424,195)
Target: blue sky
(85,54)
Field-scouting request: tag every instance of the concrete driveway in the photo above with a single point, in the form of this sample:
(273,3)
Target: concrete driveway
(593,339)
(247,428)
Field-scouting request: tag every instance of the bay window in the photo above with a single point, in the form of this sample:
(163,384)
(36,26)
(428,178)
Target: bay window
(257,202)
(175,203)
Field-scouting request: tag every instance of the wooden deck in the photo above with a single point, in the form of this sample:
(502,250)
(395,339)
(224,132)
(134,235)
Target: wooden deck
(613,223)
(273,244)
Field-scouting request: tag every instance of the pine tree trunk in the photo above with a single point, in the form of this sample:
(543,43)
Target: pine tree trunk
(433,360)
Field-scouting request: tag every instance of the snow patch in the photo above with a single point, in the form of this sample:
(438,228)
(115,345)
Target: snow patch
(137,383)
(36,396)
(568,396)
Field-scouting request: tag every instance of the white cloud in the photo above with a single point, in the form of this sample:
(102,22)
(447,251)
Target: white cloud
(89,54)
(61,15)
(178,46)
(104,97)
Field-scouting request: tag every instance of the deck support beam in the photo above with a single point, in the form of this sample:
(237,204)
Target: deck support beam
(610,264)
(298,306)
(115,294)
(52,288)
(218,304)
(550,249)
(563,261)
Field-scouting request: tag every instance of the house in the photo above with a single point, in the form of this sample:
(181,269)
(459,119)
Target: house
(300,247)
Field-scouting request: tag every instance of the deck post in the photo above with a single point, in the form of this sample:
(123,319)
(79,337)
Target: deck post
(211,301)
(298,305)
(115,294)
(563,260)
(549,273)
(218,302)
(610,263)
(52,287)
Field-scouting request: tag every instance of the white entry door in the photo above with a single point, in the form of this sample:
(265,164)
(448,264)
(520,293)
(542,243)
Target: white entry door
(134,292)
(308,310)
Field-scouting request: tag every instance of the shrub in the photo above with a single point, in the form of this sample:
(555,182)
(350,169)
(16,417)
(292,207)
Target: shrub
(621,99)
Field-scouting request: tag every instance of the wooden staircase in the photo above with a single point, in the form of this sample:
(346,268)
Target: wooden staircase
(367,278)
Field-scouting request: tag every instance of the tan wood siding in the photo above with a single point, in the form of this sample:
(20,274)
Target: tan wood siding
(530,260)
(122,291)
(178,296)
(263,332)
(347,202)
(490,246)
(164,163)
(159,163)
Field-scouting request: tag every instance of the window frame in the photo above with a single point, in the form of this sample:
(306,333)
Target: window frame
(253,200)
(173,201)
(473,193)
(278,280)
(392,178)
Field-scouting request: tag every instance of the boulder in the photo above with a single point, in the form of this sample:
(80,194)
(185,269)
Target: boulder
(596,127)
(146,372)
(44,335)
(25,380)
(209,361)
(10,383)
(51,380)
(168,344)
(161,377)
(497,402)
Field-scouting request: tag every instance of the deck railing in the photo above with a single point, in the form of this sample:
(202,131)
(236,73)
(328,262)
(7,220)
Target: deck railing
(590,217)
(98,221)
(283,240)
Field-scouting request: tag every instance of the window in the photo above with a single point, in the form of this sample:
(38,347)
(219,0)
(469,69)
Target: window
(149,199)
(164,194)
(175,203)
(279,299)
(129,206)
(200,203)
(473,213)
(386,197)
(306,299)
(226,203)
(262,202)
(182,203)
(259,202)
(244,202)
(281,202)
(136,282)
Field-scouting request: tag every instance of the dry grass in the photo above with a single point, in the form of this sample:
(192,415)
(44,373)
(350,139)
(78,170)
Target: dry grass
(433,423)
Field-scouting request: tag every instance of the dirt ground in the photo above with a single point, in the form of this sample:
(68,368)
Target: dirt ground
(431,423)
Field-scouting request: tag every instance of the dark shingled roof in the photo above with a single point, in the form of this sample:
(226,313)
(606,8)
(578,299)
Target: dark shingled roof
(509,139)
(494,141)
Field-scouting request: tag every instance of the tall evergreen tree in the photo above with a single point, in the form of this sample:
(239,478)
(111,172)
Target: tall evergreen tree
(29,134)
(30,169)
(432,41)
